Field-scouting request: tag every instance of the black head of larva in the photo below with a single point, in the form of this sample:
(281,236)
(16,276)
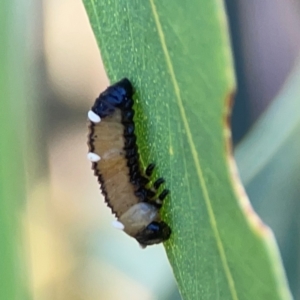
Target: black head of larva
(154,233)
(117,95)
(135,201)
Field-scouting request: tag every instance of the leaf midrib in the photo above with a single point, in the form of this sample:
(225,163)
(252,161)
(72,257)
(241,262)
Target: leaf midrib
(211,214)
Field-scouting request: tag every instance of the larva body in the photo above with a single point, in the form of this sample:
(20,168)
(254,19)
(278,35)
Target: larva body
(115,157)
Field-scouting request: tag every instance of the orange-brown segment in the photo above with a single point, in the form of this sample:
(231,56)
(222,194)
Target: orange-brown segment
(106,139)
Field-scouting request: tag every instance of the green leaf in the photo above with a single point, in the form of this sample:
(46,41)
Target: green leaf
(268,160)
(12,179)
(178,57)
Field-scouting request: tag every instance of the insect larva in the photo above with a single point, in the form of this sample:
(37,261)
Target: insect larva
(115,157)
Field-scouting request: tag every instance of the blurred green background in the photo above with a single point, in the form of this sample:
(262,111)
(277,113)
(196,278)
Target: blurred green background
(57,234)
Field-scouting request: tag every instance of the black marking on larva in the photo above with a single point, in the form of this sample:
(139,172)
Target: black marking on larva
(128,105)
(142,193)
(129,129)
(132,161)
(96,172)
(119,96)
(149,169)
(133,176)
(163,194)
(130,142)
(158,183)
(127,116)
(90,144)
(134,170)
(143,181)
(131,152)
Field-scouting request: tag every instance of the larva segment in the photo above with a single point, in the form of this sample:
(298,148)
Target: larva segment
(106,139)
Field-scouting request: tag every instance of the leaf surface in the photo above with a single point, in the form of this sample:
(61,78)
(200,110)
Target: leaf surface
(179,59)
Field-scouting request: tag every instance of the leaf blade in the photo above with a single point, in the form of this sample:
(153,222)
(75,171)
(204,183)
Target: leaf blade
(201,179)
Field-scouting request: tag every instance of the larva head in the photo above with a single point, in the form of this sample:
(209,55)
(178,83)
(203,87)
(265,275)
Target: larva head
(154,233)
(141,221)
(114,96)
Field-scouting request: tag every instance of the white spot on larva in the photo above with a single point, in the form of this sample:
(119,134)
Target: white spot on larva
(93,117)
(93,157)
(118,225)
